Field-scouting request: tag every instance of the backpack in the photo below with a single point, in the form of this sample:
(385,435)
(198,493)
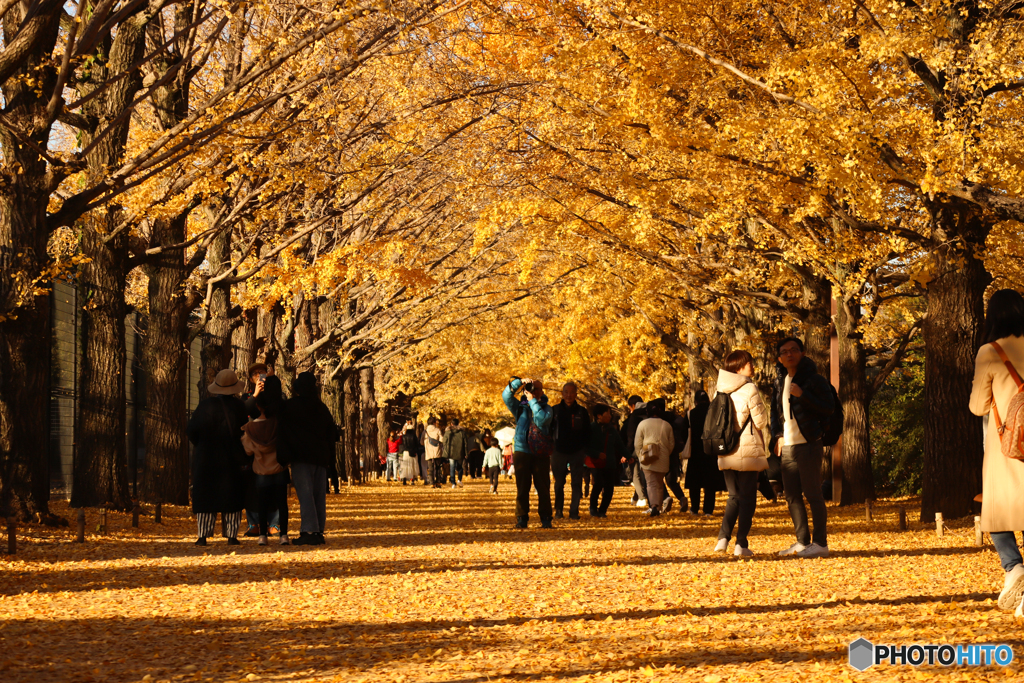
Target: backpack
(720,436)
(1011,432)
(833,428)
(537,441)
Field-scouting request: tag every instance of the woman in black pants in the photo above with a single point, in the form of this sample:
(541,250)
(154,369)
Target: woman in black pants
(702,472)
(260,441)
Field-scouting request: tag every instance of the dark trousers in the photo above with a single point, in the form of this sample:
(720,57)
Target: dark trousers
(801,477)
(675,470)
(742,487)
(570,464)
(709,500)
(494,473)
(272,494)
(603,488)
(533,470)
(437,471)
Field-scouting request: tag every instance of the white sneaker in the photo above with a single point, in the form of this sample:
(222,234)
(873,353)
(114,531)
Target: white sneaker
(455,486)
(1013,588)
(742,552)
(666,505)
(722,545)
(284,540)
(814,550)
(263,540)
(793,549)
(641,503)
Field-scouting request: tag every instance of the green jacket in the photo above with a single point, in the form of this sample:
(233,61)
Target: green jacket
(455,444)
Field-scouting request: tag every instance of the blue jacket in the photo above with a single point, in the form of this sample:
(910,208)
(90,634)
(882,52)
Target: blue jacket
(538,408)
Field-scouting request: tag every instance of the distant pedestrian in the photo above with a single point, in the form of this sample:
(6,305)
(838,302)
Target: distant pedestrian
(634,473)
(702,473)
(997,381)
(433,442)
(456,450)
(803,402)
(532,448)
(742,465)
(652,444)
(260,441)
(394,443)
(605,456)
(218,459)
(410,460)
(492,462)
(570,430)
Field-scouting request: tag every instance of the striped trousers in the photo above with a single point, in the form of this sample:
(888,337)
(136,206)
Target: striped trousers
(229,522)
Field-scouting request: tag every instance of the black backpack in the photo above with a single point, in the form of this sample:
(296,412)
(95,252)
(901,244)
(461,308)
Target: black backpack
(832,426)
(720,436)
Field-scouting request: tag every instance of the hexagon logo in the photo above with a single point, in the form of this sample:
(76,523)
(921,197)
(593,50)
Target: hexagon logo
(862,654)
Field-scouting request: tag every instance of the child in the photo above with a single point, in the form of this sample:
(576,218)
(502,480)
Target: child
(492,462)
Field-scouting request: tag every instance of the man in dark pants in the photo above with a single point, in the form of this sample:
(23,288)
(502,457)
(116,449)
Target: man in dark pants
(803,402)
(571,429)
(531,457)
(637,414)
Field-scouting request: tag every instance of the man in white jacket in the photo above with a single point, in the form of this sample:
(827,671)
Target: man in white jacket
(653,445)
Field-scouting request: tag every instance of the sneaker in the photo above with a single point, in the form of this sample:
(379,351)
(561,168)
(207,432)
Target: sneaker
(545,524)
(652,512)
(722,545)
(593,512)
(793,549)
(814,550)
(319,538)
(742,552)
(574,517)
(666,505)
(495,491)
(284,540)
(559,515)
(263,540)
(252,532)
(305,538)
(521,522)
(1019,612)
(200,541)
(234,541)
(455,486)
(641,503)
(1013,588)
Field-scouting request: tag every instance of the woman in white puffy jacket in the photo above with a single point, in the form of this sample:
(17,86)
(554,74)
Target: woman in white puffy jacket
(742,466)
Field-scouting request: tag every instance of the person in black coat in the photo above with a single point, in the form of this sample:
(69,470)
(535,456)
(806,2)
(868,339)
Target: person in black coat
(702,473)
(306,442)
(634,473)
(218,459)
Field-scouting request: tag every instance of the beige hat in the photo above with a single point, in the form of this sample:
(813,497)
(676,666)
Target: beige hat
(226,384)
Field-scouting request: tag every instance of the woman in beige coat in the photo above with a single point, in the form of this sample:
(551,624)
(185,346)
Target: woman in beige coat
(742,467)
(1002,506)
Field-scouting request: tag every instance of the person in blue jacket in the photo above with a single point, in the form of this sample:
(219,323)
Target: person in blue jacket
(532,447)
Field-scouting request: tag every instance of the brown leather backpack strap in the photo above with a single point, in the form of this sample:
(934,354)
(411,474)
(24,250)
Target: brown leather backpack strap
(1009,366)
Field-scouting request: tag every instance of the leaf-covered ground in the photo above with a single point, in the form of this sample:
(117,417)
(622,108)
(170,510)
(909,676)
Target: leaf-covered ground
(419,584)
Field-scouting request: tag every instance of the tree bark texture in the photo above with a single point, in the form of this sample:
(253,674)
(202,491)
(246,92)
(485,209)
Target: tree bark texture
(858,479)
(368,410)
(217,349)
(333,396)
(350,385)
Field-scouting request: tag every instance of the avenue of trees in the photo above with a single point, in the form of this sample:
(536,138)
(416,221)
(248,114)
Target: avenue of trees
(418,199)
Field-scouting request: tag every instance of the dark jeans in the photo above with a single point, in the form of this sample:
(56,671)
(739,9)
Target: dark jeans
(571,464)
(494,473)
(675,471)
(1006,545)
(253,517)
(533,470)
(603,488)
(272,494)
(742,487)
(801,477)
(456,468)
(709,500)
(437,475)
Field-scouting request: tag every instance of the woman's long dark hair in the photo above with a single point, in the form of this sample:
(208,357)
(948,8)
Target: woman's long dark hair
(272,397)
(1005,316)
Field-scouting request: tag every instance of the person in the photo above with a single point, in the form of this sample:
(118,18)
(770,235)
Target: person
(218,459)
(432,442)
(492,462)
(456,448)
(634,472)
(260,442)
(507,454)
(803,401)
(605,456)
(256,373)
(677,461)
(570,425)
(531,457)
(702,473)
(394,443)
(426,471)
(475,455)
(995,385)
(306,439)
(742,466)
(652,444)
(410,461)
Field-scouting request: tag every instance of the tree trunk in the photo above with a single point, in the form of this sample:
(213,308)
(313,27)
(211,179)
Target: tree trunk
(368,411)
(858,480)
(165,360)
(333,397)
(217,349)
(953,448)
(350,386)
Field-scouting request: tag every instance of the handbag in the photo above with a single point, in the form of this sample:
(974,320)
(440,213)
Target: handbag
(1011,433)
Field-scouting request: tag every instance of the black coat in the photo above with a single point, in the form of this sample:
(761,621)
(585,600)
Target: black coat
(570,427)
(702,472)
(307,432)
(629,427)
(811,409)
(218,479)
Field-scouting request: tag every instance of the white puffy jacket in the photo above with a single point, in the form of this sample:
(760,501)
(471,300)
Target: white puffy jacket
(750,455)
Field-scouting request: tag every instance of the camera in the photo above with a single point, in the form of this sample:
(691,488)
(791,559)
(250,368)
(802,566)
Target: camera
(529,387)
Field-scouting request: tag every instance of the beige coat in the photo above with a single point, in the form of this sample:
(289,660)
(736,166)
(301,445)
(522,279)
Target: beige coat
(1002,507)
(432,432)
(750,456)
(655,430)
